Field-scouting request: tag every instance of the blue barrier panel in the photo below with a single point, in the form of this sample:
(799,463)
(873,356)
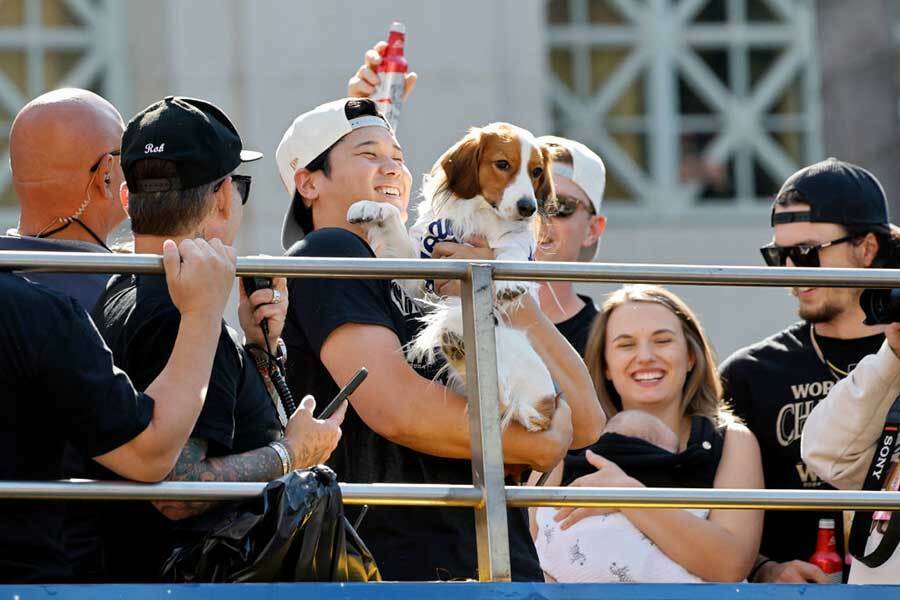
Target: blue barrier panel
(445,591)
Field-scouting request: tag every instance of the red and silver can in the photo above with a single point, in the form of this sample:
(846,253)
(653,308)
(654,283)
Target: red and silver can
(392,75)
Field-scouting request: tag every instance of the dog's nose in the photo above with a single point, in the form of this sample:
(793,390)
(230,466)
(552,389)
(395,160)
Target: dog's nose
(526,207)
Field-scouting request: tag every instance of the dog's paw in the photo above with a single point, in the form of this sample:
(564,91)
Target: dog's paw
(453,347)
(508,291)
(367,212)
(540,417)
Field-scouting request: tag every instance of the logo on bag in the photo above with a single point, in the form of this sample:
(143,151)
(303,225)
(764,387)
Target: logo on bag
(151,149)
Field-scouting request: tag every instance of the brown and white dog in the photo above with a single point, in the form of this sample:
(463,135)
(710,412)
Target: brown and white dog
(492,184)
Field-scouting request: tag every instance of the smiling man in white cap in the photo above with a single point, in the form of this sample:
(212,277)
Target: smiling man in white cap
(402,426)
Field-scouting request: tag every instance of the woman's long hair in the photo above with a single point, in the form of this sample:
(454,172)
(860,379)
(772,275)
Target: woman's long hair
(702,393)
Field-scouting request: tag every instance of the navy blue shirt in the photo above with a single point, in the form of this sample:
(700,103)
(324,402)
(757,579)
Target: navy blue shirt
(84,287)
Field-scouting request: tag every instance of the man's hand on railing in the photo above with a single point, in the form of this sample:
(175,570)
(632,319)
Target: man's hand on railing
(795,571)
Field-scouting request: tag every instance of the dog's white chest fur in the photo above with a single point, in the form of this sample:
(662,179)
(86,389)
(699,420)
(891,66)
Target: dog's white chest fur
(527,393)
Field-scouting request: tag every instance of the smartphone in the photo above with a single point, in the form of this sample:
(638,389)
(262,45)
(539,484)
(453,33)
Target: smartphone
(344,393)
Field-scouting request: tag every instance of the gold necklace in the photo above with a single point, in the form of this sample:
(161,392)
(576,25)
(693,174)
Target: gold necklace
(836,372)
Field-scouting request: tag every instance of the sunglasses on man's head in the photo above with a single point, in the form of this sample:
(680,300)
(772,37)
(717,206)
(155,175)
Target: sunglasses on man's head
(802,255)
(241,182)
(567,205)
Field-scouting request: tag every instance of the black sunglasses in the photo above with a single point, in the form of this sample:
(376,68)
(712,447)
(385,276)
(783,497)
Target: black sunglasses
(241,182)
(96,165)
(801,255)
(567,205)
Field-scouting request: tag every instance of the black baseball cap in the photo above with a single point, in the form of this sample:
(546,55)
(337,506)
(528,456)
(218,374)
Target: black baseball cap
(194,134)
(837,192)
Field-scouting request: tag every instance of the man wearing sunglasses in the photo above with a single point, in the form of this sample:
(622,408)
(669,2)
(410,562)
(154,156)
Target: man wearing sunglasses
(63,149)
(572,234)
(179,157)
(830,214)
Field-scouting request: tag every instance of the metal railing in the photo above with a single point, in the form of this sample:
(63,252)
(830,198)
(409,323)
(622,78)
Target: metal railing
(487,496)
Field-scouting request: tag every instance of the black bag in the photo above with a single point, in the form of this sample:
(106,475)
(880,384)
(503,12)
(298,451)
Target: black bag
(294,531)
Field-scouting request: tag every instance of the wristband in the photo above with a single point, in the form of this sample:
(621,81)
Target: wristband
(756,569)
(282,451)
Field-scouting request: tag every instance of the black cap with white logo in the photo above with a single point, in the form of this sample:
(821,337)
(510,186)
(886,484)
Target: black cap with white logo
(837,192)
(194,134)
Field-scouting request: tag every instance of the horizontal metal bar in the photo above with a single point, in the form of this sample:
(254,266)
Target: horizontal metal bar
(353,493)
(355,268)
(703,498)
(467,495)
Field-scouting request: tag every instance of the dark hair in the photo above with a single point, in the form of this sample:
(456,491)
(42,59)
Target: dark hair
(166,213)
(354,108)
(887,236)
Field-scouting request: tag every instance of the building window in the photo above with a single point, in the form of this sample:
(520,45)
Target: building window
(691,103)
(48,44)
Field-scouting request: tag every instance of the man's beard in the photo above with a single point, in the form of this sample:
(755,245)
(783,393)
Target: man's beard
(828,310)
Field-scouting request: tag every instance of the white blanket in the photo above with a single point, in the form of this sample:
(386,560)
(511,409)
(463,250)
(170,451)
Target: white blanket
(605,549)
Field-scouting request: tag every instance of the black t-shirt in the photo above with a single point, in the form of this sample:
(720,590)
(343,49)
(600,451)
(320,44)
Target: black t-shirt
(140,323)
(83,546)
(409,543)
(773,386)
(577,327)
(58,386)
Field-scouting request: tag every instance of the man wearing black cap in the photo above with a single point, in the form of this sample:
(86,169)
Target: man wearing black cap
(179,156)
(830,214)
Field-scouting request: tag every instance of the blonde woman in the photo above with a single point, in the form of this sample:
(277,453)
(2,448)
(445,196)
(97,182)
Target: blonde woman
(647,352)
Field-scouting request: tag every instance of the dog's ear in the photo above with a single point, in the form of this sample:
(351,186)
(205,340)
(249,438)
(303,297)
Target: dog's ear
(460,164)
(545,192)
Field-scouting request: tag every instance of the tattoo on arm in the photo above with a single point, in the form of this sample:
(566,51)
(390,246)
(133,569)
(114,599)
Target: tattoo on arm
(262,464)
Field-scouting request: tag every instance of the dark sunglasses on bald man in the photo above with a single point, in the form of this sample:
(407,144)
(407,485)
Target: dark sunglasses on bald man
(802,255)
(241,182)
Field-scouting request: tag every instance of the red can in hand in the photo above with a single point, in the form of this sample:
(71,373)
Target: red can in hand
(392,74)
(826,556)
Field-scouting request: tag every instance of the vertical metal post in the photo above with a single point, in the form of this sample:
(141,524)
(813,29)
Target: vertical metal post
(484,424)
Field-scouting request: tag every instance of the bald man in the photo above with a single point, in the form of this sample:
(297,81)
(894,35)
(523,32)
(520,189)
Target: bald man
(63,153)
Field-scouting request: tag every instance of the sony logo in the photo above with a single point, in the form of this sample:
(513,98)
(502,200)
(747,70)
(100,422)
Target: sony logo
(884,454)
